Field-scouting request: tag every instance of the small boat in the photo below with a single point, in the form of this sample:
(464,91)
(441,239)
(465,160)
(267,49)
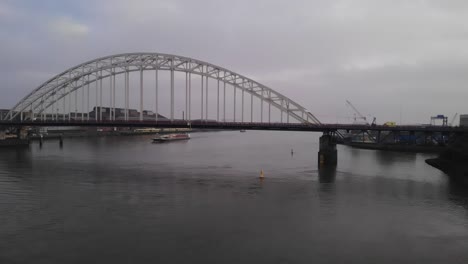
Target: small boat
(242,131)
(172,137)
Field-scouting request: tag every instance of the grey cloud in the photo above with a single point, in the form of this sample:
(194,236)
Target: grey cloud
(382,55)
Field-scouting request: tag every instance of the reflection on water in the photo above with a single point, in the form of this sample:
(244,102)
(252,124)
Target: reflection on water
(125,200)
(388,158)
(457,194)
(327,174)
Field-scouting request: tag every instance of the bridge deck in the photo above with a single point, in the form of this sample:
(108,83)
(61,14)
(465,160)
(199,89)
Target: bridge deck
(239,125)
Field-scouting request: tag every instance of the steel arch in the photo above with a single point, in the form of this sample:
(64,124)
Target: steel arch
(79,76)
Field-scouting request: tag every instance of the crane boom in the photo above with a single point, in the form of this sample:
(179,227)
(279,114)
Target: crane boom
(453,119)
(357,112)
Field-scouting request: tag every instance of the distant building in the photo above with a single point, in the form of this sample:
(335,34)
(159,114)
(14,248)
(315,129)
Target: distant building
(463,120)
(120,114)
(133,114)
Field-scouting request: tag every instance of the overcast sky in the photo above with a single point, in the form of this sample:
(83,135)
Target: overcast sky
(387,57)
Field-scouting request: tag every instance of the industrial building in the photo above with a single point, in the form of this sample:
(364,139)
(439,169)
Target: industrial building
(464,120)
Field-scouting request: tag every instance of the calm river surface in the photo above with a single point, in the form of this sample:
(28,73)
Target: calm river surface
(125,200)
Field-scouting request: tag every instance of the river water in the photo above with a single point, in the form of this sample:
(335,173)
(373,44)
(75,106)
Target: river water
(125,200)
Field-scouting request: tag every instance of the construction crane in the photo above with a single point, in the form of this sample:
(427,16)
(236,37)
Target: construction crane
(453,119)
(358,115)
(356,112)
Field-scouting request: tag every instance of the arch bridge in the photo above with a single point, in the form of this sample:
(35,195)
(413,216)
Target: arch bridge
(151,89)
(80,93)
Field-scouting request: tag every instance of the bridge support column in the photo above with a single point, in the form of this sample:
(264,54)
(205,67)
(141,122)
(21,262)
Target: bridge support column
(327,155)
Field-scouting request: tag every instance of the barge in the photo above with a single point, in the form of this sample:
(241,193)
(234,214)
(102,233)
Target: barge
(171,137)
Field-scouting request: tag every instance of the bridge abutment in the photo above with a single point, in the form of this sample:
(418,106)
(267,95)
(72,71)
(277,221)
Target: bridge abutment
(327,155)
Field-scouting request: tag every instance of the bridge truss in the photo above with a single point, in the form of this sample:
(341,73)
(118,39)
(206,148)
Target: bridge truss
(53,99)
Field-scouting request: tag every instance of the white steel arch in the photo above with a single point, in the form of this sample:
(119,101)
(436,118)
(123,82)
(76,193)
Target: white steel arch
(81,76)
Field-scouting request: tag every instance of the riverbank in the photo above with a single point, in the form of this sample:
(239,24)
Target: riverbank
(80,133)
(454,160)
(85,133)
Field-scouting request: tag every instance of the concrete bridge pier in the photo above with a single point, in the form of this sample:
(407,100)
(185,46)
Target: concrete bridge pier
(327,155)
